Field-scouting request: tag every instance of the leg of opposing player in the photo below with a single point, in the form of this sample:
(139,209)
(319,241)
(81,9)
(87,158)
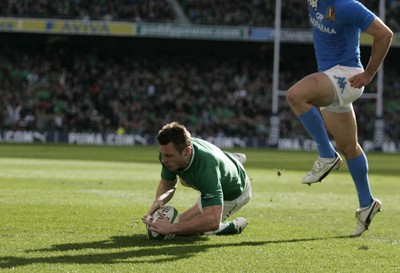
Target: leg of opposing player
(304,98)
(343,127)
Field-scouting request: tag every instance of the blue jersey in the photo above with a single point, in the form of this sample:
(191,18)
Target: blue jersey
(336,28)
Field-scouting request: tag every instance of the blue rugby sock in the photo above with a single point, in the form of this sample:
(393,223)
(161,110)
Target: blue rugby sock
(358,168)
(314,124)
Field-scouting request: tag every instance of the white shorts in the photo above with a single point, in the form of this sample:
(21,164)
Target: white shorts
(344,93)
(231,207)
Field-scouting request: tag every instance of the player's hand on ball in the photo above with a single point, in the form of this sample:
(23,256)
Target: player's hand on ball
(161,226)
(157,204)
(159,223)
(147,218)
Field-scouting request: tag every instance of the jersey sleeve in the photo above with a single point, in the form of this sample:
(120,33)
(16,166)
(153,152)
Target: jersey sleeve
(210,186)
(212,197)
(357,15)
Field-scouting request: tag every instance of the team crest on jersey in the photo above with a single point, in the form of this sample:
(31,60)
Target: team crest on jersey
(330,14)
(313,3)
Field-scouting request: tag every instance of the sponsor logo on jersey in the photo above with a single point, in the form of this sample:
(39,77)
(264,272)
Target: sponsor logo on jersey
(208,196)
(319,16)
(313,3)
(318,24)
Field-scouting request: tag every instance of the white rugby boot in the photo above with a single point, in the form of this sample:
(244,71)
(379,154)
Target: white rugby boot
(320,170)
(235,226)
(364,216)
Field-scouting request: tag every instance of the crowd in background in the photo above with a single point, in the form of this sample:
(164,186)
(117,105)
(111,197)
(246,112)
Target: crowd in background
(261,12)
(213,12)
(69,89)
(250,13)
(87,91)
(126,10)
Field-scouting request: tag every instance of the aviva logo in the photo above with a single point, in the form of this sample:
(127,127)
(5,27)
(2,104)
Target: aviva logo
(78,27)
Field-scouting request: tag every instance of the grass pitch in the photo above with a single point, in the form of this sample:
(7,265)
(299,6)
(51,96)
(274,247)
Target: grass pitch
(78,209)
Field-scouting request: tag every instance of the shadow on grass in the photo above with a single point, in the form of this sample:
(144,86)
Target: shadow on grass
(131,249)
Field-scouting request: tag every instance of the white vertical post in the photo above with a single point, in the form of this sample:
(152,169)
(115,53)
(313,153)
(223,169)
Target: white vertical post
(379,130)
(274,119)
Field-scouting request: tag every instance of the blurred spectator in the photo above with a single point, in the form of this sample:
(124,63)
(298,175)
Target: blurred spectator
(63,88)
(211,12)
(128,10)
(247,13)
(392,11)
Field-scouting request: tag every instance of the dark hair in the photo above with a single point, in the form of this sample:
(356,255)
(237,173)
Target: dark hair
(174,133)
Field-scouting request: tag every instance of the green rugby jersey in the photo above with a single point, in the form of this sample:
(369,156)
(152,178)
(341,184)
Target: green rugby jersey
(217,175)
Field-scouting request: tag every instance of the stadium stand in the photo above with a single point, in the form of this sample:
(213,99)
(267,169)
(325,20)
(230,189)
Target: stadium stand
(211,12)
(68,88)
(126,10)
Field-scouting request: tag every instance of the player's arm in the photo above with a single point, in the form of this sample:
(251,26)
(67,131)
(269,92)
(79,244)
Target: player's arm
(165,191)
(382,38)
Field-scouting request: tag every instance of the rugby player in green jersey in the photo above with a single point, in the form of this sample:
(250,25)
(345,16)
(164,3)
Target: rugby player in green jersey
(219,176)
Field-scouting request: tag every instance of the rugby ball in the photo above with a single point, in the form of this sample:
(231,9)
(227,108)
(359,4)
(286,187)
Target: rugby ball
(172,214)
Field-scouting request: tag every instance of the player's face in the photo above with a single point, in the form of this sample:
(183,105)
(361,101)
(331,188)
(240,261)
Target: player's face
(172,159)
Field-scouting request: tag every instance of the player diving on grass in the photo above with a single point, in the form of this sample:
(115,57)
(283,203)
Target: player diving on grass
(219,176)
(323,101)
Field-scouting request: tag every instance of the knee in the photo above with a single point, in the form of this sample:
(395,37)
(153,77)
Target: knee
(291,97)
(296,102)
(349,150)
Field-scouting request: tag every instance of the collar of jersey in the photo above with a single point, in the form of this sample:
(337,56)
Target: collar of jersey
(191,159)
